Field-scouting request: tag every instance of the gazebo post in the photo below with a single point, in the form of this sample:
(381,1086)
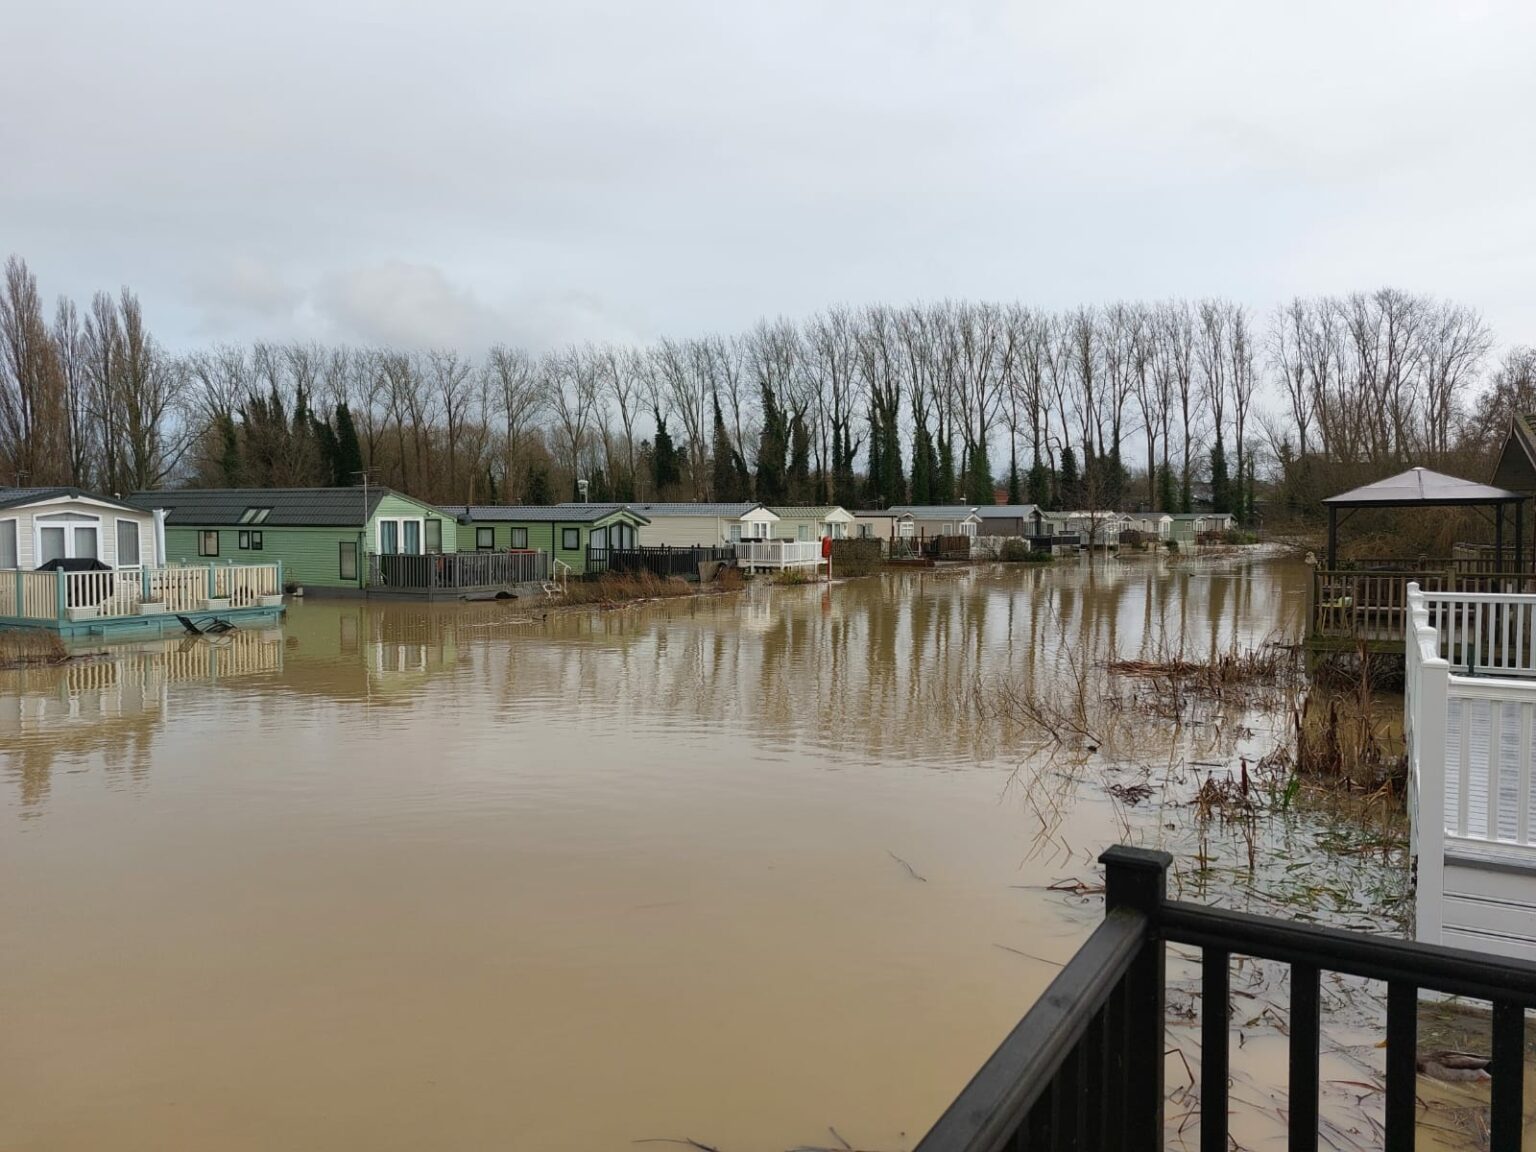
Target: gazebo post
(1498,538)
(1519,563)
(1333,539)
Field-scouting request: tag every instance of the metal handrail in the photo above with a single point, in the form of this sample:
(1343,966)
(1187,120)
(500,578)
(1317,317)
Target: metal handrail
(1084,1068)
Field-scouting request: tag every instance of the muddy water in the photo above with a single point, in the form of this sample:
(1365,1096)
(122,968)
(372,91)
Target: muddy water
(737,869)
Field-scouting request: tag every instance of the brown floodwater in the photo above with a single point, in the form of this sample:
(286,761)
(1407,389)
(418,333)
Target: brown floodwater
(736,868)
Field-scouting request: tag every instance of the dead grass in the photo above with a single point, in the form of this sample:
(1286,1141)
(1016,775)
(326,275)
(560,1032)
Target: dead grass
(21,647)
(626,589)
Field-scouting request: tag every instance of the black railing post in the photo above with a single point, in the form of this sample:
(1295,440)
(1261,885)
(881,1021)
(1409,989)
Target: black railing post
(1136,879)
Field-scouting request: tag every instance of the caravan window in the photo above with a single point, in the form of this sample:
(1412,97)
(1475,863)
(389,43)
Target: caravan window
(127,544)
(8,546)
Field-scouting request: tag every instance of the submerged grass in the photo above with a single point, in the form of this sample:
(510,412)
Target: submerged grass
(21,647)
(626,589)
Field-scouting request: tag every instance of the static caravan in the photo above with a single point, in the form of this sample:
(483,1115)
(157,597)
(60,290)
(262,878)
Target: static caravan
(337,540)
(77,563)
(685,525)
(940,519)
(1010,519)
(812,522)
(564,531)
(39,525)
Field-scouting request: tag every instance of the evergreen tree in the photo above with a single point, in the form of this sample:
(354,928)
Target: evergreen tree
(801,491)
(597,487)
(536,487)
(231,474)
(1015,488)
(874,482)
(893,481)
(666,466)
(1186,494)
(349,453)
(945,477)
(979,488)
(1221,484)
(727,466)
(327,451)
(1167,498)
(1039,484)
(1250,500)
(1069,485)
(923,465)
(772,448)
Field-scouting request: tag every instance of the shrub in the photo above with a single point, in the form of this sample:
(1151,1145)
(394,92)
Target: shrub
(855,557)
(1015,550)
(1171,545)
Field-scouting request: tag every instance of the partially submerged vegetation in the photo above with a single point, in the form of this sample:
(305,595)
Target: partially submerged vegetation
(23,647)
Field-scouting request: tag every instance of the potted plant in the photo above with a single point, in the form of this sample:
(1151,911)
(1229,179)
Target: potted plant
(216,604)
(152,606)
(271,600)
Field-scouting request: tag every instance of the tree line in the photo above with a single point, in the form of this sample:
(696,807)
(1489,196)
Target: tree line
(1159,405)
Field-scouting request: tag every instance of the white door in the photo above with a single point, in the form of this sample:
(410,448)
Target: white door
(68,536)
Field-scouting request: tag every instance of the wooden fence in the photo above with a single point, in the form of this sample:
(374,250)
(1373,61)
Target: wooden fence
(1370,605)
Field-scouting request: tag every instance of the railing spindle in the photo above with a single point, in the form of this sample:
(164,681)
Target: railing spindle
(1402,1057)
(1305,1049)
(1508,1068)
(1091,1073)
(1215,1030)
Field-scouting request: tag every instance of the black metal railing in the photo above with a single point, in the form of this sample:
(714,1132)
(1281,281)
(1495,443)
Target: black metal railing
(455,570)
(658,560)
(1084,1068)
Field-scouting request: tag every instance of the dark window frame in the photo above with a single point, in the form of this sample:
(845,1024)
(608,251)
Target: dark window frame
(243,540)
(342,557)
(256,542)
(487,534)
(520,538)
(202,541)
(568,534)
(430,526)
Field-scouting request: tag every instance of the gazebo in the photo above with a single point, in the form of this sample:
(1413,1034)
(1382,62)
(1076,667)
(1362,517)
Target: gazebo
(1421,488)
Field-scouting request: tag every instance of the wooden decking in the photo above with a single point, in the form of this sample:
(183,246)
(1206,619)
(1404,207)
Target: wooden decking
(1367,608)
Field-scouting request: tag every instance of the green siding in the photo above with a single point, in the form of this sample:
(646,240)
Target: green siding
(310,556)
(543,536)
(395,505)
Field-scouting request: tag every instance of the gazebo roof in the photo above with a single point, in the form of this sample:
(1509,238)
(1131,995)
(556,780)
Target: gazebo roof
(1421,487)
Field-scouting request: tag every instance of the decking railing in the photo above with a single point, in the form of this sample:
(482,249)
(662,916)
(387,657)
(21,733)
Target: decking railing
(778,553)
(1472,796)
(455,570)
(1084,1068)
(1371,605)
(662,560)
(105,595)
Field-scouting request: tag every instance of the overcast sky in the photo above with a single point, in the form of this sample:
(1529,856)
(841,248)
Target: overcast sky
(471,170)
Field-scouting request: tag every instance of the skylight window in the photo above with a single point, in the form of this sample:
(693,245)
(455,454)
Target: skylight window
(255,515)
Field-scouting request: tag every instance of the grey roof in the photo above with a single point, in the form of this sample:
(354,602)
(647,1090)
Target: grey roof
(540,513)
(935,511)
(730,511)
(1420,486)
(1006,511)
(12,497)
(291,507)
(805,511)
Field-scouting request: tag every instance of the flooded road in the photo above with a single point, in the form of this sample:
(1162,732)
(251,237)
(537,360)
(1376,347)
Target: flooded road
(737,869)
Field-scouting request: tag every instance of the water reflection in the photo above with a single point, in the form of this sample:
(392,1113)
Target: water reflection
(488,876)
